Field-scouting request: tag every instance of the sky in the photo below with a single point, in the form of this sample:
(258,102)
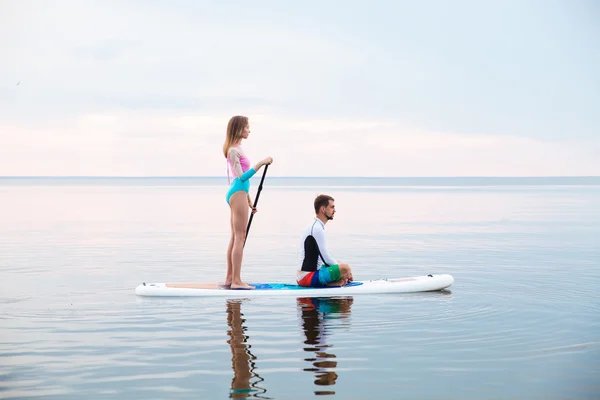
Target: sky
(370,88)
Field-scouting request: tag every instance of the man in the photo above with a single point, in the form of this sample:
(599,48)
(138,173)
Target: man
(316,266)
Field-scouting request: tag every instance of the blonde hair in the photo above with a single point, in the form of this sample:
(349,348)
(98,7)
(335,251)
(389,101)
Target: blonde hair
(234,132)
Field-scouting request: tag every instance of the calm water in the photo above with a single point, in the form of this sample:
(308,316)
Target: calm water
(520,322)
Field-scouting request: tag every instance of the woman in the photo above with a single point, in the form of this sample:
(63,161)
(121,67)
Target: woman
(238,196)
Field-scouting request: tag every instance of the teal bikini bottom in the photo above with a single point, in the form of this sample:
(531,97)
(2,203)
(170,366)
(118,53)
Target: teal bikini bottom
(236,186)
(240,184)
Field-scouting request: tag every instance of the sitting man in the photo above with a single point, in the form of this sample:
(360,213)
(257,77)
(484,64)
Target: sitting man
(316,267)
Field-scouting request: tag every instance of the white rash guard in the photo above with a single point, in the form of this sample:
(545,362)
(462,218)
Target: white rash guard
(313,250)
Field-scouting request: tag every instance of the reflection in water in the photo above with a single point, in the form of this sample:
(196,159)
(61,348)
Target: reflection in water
(245,379)
(315,312)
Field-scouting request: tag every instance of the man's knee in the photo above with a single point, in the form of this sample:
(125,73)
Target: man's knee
(344,269)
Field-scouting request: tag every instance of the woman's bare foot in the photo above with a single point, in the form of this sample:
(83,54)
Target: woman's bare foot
(241,285)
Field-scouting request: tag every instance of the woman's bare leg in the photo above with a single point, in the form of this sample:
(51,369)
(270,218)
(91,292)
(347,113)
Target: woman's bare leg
(239,208)
(229,251)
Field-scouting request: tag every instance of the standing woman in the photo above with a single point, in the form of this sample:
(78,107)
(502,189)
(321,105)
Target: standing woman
(238,196)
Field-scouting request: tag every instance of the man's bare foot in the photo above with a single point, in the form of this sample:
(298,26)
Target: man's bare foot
(339,282)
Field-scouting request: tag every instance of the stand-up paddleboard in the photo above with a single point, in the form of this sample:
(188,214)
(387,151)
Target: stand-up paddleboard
(425,283)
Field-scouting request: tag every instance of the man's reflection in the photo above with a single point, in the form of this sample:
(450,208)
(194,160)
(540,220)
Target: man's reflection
(315,312)
(242,359)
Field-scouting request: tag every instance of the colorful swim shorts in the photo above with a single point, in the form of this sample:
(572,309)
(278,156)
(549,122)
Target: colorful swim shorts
(321,277)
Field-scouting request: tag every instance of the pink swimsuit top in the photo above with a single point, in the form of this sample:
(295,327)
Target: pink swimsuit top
(244,163)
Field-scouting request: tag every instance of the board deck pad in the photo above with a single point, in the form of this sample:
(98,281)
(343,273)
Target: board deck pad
(291,286)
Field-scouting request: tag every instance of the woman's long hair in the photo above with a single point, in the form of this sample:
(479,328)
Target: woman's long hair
(234,132)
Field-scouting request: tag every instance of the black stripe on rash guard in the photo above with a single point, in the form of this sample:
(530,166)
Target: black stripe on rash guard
(311,254)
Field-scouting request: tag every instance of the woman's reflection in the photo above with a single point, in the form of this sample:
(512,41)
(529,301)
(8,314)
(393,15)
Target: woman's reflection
(315,312)
(242,359)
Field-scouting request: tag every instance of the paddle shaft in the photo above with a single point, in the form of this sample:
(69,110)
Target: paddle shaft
(256,201)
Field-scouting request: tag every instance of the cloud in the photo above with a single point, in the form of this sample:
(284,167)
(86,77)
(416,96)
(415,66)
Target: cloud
(168,144)
(146,88)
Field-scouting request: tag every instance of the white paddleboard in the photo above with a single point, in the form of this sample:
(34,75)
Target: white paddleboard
(424,283)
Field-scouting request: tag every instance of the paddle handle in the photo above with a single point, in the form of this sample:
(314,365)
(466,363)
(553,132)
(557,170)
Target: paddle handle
(256,201)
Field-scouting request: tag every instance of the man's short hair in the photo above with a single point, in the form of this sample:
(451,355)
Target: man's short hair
(322,200)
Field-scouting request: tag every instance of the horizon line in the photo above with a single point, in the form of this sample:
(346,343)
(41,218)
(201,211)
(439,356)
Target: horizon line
(295,176)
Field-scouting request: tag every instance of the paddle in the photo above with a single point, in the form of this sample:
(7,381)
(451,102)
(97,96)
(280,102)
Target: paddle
(256,201)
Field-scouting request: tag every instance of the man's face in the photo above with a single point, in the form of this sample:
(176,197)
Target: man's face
(329,210)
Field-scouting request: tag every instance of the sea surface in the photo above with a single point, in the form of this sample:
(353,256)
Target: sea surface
(522,320)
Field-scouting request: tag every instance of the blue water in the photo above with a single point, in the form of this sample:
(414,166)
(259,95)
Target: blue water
(520,322)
